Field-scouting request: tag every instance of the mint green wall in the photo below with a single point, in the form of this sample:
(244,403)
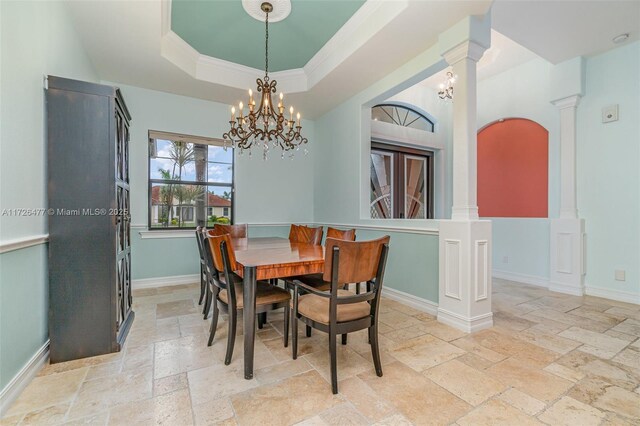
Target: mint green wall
(24,304)
(342,180)
(166,257)
(37,38)
(524,92)
(608,174)
(272,191)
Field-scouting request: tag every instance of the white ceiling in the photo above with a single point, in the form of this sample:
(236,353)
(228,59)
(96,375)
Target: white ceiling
(124,38)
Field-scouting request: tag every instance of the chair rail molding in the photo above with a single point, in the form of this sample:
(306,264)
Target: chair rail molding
(23,242)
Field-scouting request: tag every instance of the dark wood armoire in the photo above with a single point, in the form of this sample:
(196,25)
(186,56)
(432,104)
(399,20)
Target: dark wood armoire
(89,219)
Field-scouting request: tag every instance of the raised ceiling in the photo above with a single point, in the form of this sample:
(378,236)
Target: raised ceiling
(223,30)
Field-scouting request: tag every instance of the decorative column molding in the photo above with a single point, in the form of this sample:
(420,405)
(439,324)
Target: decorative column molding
(568,188)
(465,241)
(567,236)
(463,58)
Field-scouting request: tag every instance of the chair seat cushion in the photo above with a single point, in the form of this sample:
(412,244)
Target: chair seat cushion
(317,308)
(266,294)
(313,280)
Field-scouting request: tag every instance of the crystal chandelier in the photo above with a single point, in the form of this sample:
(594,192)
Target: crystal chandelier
(446,88)
(265,126)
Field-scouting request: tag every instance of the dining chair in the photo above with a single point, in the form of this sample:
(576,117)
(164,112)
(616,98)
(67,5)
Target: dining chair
(315,280)
(305,234)
(340,311)
(203,277)
(236,231)
(227,291)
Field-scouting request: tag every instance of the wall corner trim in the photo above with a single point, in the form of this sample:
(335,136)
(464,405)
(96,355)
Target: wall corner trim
(20,381)
(415,302)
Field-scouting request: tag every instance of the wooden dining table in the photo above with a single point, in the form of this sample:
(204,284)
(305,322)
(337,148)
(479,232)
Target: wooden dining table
(264,259)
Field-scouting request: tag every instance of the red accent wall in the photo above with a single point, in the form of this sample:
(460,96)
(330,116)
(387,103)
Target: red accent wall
(513,169)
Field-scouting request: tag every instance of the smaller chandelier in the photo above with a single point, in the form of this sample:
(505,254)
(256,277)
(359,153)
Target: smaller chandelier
(446,88)
(265,126)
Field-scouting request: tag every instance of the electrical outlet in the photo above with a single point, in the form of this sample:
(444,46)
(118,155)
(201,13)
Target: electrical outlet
(610,113)
(620,275)
(505,259)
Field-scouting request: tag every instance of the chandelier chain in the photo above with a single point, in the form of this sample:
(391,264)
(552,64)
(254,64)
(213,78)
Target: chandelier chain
(266,45)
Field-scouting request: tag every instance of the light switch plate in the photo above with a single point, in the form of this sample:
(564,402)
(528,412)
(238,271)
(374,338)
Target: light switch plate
(610,113)
(620,275)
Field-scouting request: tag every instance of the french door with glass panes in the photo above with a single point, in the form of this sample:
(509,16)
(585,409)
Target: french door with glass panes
(401,182)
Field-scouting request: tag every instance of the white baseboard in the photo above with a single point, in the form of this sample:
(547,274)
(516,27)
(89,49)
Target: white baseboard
(566,289)
(606,293)
(521,278)
(415,302)
(468,325)
(14,388)
(164,281)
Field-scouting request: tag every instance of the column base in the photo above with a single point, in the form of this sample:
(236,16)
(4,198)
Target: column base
(468,325)
(567,248)
(465,275)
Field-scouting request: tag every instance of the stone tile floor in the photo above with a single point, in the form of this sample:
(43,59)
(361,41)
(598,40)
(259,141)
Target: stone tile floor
(550,359)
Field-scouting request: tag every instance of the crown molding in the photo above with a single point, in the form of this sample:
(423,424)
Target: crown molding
(372,16)
(568,102)
(466,49)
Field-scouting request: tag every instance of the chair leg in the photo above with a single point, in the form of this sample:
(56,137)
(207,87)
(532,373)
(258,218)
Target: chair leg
(294,335)
(231,338)
(207,302)
(333,349)
(260,321)
(344,339)
(375,350)
(287,316)
(308,331)
(202,286)
(214,324)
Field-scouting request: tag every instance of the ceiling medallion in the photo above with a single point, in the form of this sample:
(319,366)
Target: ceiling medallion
(265,126)
(446,88)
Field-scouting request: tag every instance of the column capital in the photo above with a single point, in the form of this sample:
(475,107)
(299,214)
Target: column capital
(467,49)
(568,102)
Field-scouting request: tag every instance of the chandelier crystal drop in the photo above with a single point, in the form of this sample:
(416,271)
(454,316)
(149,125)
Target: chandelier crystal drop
(446,88)
(265,126)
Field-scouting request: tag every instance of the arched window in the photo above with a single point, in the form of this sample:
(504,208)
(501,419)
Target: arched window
(401,116)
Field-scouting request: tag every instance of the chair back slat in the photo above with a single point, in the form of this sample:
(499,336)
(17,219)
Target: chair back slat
(215,246)
(358,259)
(341,234)
(236,231)
(305,234)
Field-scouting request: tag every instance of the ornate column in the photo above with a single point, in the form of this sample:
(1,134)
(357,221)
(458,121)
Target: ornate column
(465,241)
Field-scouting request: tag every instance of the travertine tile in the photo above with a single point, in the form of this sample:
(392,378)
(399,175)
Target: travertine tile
(629,326)
(537,383)
(282,370)
(175,308)
(611,373)
(564,372)
(496,412)
(620,401)
(184,354)
(343,414)
(470,345)
(549,341)
(522,401)
(597,340)
(93,420)
(170,384)
(102,370)
(365,399)
(569,412)
(394,420)
(46,391)
(221,378)
(424,352)
(349,363)
(415,396)
(289,401)
(512,322)
(169,409)
(47,416)
(475,361)
(100,394)
(213,412)
(465,382)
